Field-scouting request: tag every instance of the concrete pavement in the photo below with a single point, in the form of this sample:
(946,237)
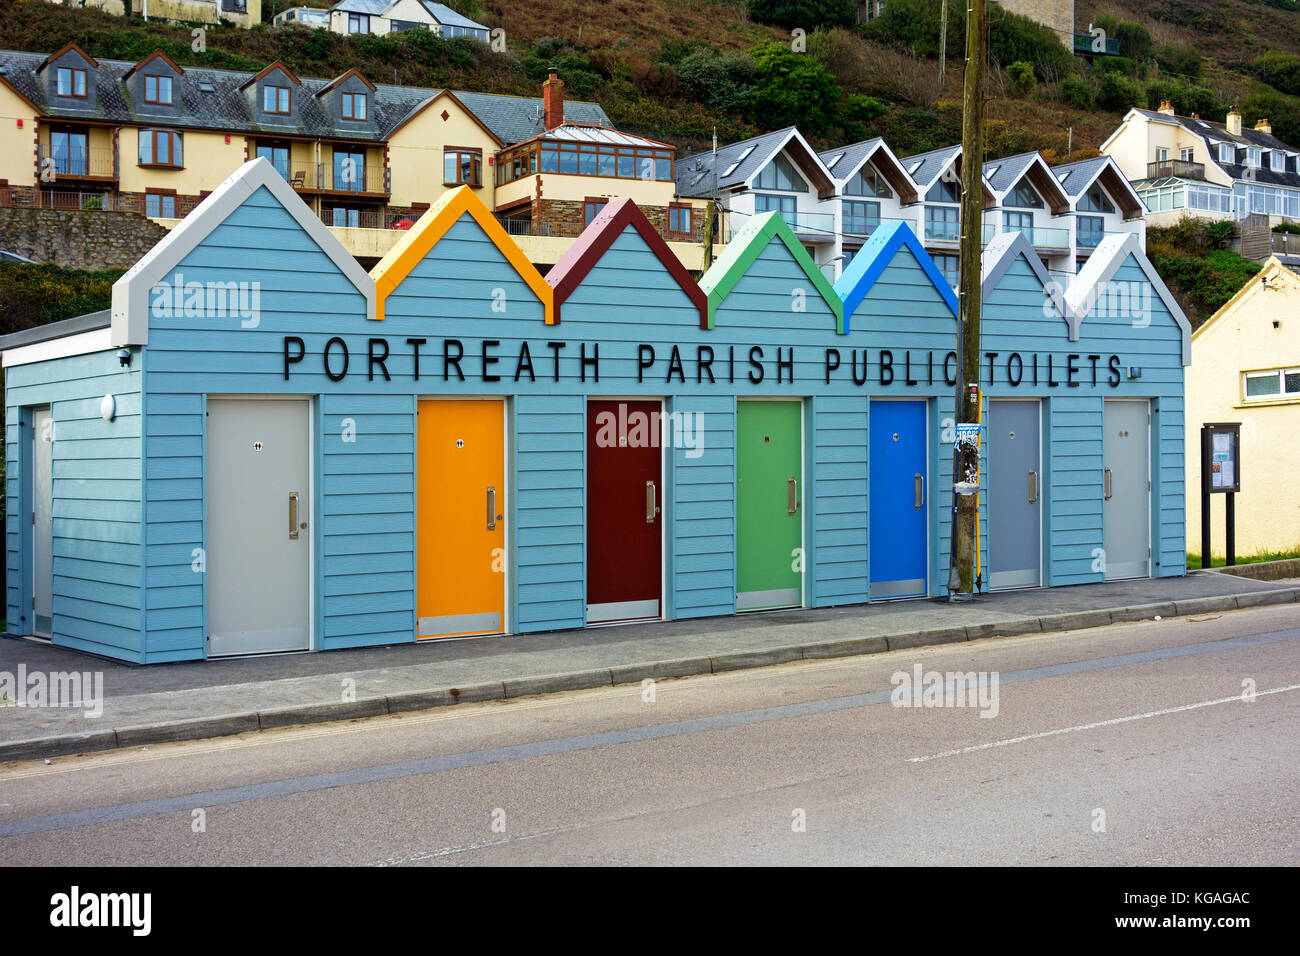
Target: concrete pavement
(146,705)
(1130,744)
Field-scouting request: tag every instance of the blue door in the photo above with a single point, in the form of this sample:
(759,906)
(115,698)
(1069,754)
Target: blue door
(899,533)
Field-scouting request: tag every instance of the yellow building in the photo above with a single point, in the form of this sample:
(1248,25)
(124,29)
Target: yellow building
(238,13)
(155,138)
(1246,368)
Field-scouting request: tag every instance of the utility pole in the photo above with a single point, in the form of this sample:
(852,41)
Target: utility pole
(961,577)
(943,41)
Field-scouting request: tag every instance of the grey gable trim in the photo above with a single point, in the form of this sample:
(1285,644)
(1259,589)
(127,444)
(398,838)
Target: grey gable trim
(130,318)
(1002,252)
(1102,266)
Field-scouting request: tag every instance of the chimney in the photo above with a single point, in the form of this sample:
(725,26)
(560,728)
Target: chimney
(1166,108)
(1233,122)
(553,101)
(1264,126)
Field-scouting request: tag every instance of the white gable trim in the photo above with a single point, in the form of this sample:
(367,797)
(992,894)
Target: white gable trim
(780,148)
(83,343)
(130,308)
(1102,265)
(1002,252)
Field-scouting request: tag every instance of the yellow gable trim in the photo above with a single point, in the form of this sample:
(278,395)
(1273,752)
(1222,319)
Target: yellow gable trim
(433,225)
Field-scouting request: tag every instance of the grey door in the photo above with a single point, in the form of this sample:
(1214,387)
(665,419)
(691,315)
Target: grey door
(42,523)
(1015,480)
(1127,489)
(258,526)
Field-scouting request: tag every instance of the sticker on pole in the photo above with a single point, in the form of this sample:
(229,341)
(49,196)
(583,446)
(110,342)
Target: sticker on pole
(968,433)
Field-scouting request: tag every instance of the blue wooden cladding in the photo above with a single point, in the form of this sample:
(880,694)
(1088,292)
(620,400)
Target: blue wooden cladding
(252,297)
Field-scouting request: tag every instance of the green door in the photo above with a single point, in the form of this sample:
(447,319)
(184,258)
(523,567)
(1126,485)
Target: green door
(769,523)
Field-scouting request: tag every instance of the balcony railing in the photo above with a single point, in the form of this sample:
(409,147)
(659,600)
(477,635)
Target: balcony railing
(814,224)
(1040,237)
(1179,168)
(340,177)
(69,199)
(1089,45)
(94,162)
(860,227)
(524,227)
(1089,238)
(299,175)
(942,230)
(358,218)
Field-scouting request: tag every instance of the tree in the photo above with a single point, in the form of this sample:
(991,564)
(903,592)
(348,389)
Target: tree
(805,14)
(1279,70)
(792,89)
(721,80)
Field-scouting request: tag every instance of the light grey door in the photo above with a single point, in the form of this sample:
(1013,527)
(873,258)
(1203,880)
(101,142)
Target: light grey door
(258,526)
(1015,482)
(42,521)
(1127,489)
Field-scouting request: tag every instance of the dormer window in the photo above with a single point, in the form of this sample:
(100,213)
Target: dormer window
(354,106)
(71,82)
(1254,156)
(158,89)
(1227,154)
(275,99)
(1277,161)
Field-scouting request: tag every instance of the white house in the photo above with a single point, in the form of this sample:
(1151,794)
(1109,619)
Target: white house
(871,189)
(392,16)
(303,16)
(1185,165)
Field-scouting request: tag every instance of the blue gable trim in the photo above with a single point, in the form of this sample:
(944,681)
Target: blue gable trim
(874,258)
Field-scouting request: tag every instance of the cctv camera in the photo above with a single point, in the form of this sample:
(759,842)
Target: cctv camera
(124,356)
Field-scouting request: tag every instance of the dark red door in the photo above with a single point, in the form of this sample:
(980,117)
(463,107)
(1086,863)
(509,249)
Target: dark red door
(624,511)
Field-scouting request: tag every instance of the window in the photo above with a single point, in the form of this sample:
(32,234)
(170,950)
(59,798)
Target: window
(585,159)
(1163,198)
(1162,155)
(945,190)
(948,266)
(160,147)
(785,205)
(277,156)
(358,23)
(1227,154)
(1254,156)
(1096,200)
(1018,222)
(235,6)
(462,166)
(69,153)
(275,99)
(1090,230)
(781,174)
(1209,198)
(350,171)
(160,205)
(941,222)
(1277,161)
(868,182)
(1273,384)
(345,217)
(861,218)
(158,89)
(1186,154)
(1025,197)
(591,208)
(354,106)
(681,219)
(71,82)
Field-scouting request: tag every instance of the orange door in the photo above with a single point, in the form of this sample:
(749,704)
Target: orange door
(460,508)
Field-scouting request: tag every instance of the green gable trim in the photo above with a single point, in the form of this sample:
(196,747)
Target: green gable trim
(746,246)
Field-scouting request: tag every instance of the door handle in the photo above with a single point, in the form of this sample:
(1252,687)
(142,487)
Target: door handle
(1033,486)
(651,509)
(492,508)
(1107,484)
(791,496)
(919,482)
(293,516)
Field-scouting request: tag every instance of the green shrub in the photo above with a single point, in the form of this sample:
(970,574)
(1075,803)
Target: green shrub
(1114,64)
(722,80)
(806,14)
(1022,77)
(1134,41)
(1118,93)
(1282,111)
(1279,70)
(1289,227)
(1076,91)
(1180,58)
(792,89)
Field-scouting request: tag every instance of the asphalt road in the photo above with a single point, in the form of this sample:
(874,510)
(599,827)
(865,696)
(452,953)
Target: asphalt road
(1131,744)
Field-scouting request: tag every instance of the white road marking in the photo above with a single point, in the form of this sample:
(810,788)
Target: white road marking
(1101,723)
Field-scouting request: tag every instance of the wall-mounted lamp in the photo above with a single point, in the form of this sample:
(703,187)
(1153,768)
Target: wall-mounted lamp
(107,408)
(1134,371)
(124,356)
(1263,281)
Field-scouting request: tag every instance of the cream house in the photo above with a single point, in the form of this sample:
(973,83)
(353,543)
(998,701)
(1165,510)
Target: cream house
(1246,368)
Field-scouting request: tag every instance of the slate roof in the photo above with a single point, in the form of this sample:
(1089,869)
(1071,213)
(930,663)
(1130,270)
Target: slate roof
(850,157)
(694,173)
(374,8)
(226,107)
(449,17)
(1002,174)
(1215,133)
(1075,177)
(931,164)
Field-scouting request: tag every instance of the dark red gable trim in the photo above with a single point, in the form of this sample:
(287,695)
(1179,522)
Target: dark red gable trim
(567,274)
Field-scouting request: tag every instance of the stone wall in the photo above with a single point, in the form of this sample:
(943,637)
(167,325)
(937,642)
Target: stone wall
(1056,14)
(78,239)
